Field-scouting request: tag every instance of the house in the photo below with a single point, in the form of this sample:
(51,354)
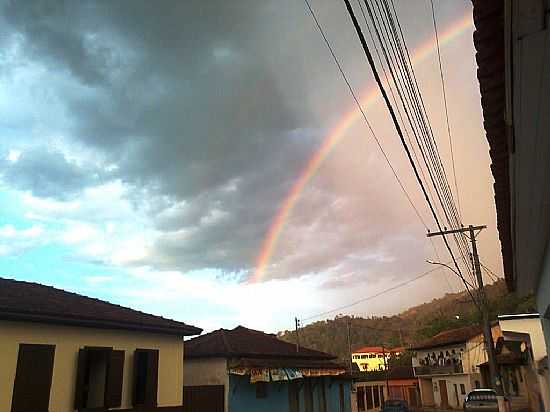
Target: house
(244,370)
(512,42)
(373,358)
(526,329)
(446,366)
(61,352)
(370,389)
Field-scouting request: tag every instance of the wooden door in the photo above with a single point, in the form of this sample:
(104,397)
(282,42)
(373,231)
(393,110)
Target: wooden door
(443,394)
(203,398)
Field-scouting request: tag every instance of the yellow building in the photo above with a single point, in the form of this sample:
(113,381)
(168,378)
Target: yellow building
(373,358)
(61,352)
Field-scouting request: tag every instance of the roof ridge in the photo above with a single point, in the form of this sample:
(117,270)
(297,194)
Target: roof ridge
(226,341)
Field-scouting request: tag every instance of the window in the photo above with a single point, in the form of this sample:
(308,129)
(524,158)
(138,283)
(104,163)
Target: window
(360,398)
(33,378)
(99,378)
(376,396)
(462,389)
(145,377)
(261,390)
(368,392)
(294,396)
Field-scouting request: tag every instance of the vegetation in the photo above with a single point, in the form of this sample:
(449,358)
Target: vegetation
(412,326)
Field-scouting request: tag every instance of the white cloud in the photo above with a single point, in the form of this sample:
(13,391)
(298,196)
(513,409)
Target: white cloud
(96,280)
(13,155)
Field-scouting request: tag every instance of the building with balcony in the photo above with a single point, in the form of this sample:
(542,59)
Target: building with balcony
(446,366)
(373,358)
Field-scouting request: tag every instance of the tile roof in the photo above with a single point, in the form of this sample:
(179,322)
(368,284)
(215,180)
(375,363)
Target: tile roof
(27,301)
(244,342)
(489,44)
(377,349)
(450,337)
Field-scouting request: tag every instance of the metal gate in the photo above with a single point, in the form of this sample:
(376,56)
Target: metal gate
(203,398)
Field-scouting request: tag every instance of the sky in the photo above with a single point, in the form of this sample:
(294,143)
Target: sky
(146,152)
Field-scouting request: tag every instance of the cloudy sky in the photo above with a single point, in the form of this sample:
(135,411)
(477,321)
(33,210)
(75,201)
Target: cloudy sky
(145,149)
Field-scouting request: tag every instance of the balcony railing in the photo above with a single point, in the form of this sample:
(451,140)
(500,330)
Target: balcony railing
(438,370)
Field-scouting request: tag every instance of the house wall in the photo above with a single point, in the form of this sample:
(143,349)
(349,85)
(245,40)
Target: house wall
(242,395)
(370,361)
(450,382)
(426,391)
(199,372)
(68,340)
(531,326)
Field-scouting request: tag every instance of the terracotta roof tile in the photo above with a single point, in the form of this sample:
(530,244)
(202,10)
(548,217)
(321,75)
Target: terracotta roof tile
(450,337)
(244,342)
(489,44)
(27,301)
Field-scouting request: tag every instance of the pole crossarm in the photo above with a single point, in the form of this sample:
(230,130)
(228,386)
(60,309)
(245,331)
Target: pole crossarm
(459,230)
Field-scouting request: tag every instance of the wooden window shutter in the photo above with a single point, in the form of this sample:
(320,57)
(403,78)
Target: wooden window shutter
(33,378)
(81,371)
(151,387)
(115,374)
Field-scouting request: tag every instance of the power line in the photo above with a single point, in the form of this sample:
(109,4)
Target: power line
(400,132)
(357,102)
(383,292)
(445,104)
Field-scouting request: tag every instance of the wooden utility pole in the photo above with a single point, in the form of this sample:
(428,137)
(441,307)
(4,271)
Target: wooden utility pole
(496,383)
(349,347)
(297,322)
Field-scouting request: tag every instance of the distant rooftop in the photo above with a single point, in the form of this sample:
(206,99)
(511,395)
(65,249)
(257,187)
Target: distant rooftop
(244,342)
(27,301)
(450,337)
(378,349)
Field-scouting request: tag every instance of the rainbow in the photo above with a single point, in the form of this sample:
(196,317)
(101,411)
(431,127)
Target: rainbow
(336,134)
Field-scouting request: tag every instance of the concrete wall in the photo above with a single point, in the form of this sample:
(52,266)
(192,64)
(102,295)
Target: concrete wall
(68,340)
(199,372)
(242,395)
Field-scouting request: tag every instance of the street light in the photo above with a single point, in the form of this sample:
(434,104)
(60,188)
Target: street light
(431,262)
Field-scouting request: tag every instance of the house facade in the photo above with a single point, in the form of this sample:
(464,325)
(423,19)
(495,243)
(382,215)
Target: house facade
(512,41)
(446,366)
(243,370)
(62,352)
(371,389)
(373,358)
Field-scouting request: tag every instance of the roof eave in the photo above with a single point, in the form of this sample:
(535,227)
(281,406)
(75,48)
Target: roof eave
(187,330)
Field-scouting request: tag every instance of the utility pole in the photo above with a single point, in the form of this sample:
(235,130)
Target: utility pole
(349,347)
(496,383)
(297,322)
(386,367)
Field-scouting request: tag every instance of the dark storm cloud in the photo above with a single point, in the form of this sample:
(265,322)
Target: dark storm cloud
(205,107)
(47,173)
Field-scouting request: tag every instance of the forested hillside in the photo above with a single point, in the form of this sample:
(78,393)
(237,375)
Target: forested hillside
(410,326)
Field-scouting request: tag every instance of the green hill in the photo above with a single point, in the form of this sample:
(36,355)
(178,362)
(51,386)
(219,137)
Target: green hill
(411,326)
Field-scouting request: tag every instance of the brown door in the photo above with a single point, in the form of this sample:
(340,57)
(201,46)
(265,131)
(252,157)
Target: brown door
(203,398)
(443,393)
